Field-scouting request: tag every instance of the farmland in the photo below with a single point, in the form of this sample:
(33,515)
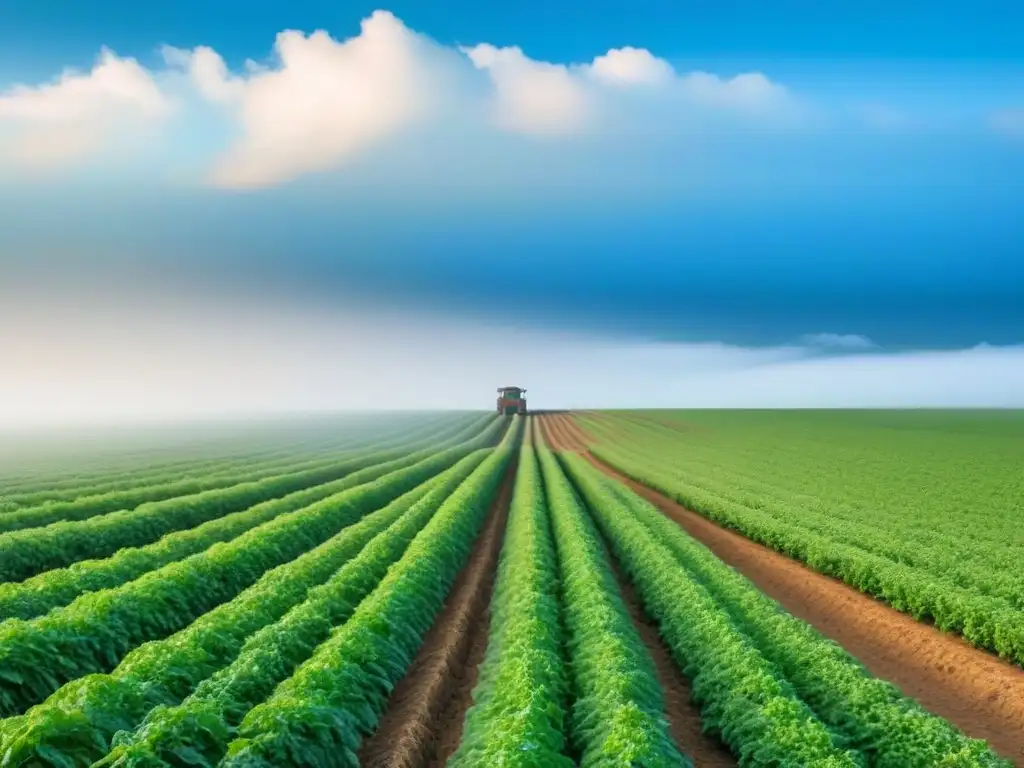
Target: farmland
(616,588)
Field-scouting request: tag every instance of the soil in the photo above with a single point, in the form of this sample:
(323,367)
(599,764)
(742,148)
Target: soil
(976,691)
(682,714)
(423,723)
(680,711)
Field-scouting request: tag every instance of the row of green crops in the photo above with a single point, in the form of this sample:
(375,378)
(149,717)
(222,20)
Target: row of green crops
(48,590)
(35,491)
(955,507)
(42,507)
(946,545)
(863,713)
(28,552)
(32,490)
(112,501)
(618,708)
(41,593)
(320,714)
(913,479)
(31,551)
(142,492)
(741,697)
(77,722)
(838,549)
(517,716)
(135,466)
(95,631)
(201,728)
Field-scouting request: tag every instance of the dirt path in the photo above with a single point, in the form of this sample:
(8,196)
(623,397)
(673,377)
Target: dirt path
(423,722)
(682,714)
(979,693)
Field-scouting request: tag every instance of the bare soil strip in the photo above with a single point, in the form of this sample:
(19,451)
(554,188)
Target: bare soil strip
(976,691)
(423,722)
(682,714)
(562,434)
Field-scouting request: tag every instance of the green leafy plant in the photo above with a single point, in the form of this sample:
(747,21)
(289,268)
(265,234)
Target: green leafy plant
(742,699)
(518,712)
(618,710)
(93,633)
(204,723)
(320,714)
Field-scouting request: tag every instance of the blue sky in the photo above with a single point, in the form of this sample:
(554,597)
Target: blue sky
(740,174)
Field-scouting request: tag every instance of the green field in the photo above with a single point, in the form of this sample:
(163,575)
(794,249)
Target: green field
(478,590)
(921,509)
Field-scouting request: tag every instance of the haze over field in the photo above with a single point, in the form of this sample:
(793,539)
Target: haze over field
(252,212)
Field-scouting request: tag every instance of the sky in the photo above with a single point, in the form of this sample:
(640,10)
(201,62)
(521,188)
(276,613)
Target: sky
(318,206)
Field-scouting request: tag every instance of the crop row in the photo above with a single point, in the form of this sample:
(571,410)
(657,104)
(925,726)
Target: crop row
(517,716)
(141,492)
(986,621)
(741,698)
(43,486)
(319,715)
(862,714)
(37,490)
(53,588)
(923,489)
(95,631)
(205,722)
(162,673)
(72,490)
(91,506)
(925,542)
(26,553)
(618,706)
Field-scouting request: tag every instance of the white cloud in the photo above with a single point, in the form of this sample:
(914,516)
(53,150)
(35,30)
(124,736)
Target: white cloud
(538,97)
(208,71)
(532,97)
(750,90)
(324,101)
(630,66)
(80,112)
(837,341)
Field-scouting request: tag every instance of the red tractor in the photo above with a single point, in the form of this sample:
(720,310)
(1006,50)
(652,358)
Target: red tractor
(511,400)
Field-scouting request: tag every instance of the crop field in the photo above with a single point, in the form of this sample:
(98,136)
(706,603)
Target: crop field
(606,588)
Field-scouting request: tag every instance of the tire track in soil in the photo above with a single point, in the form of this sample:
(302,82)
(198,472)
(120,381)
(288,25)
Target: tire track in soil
(973,689)
(680,711)
(423,722)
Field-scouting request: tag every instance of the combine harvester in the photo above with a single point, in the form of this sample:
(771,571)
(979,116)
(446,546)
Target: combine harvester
(511,400)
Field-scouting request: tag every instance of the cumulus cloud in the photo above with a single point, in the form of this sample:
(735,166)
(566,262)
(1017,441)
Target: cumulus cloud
(80,112)
(750,90)
(631,66)
(849,341)
(532,97)
(537,97)
(322,101)
(209,73)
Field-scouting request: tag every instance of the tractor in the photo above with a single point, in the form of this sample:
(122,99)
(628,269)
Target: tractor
(511,400)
